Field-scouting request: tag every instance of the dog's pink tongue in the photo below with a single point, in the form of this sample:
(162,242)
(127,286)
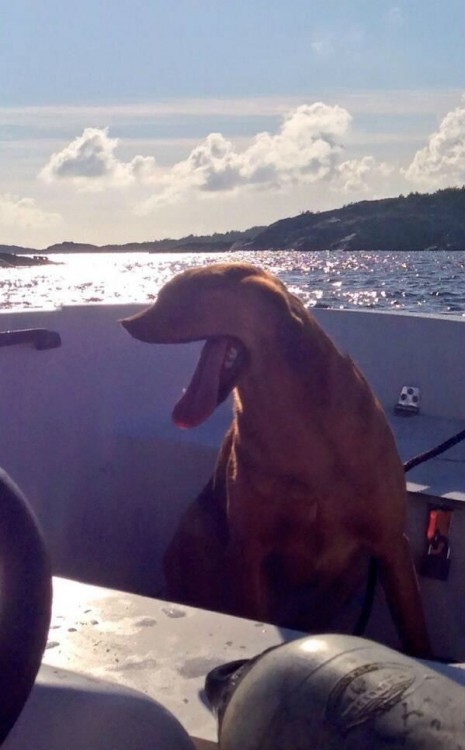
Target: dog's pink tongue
(201,397)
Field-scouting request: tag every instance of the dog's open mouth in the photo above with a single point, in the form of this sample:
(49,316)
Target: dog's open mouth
(215,376)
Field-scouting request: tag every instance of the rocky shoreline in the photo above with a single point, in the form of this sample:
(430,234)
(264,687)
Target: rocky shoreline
(414,222)
(10,260)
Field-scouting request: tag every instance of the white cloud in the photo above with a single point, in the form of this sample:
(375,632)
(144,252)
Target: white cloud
(308,157)
(442,162)
(361,175)
(16,212)
(90,162)
(395,16)
(305,150)
(322,46)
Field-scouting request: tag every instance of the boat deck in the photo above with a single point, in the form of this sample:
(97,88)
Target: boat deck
(161,649)
(164,650)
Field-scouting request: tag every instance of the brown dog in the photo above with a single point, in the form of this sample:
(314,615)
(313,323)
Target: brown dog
(308,478)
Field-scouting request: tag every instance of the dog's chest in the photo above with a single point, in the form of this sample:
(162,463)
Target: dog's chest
(266,506)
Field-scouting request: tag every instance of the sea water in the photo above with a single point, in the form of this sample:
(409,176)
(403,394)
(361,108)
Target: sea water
(428,281)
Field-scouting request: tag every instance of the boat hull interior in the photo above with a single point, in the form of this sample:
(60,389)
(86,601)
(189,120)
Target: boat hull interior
(86,433)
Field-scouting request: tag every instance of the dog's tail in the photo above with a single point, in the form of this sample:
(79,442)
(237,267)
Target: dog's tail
(368,599)
(372,576)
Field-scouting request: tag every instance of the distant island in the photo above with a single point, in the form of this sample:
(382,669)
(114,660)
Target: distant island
(419,221)
(10,258)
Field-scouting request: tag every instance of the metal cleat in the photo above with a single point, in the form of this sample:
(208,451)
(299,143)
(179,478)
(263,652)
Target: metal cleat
(409,400)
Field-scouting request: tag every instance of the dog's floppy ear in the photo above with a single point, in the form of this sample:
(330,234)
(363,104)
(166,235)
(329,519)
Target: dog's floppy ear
(300,337)
(290,319)
(293,333)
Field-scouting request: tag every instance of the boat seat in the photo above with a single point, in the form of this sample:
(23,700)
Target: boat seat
(76,712)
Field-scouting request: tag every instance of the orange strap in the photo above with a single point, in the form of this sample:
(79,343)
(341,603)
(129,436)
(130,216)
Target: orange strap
(438,521)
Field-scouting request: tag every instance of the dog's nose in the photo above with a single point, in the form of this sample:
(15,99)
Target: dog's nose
(148,326)
(137,326)
(126,323)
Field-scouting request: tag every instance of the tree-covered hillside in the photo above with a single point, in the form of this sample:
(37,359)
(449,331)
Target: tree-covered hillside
(413,222)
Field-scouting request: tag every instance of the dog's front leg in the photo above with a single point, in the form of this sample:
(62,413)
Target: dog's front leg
(250,596)
(249,541)
(403,596)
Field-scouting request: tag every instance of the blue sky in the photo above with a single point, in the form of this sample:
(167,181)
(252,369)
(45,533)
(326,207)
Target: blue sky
(133,120)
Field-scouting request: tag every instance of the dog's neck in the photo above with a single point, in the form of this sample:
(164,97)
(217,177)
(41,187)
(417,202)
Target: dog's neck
(288,407)
(274,411)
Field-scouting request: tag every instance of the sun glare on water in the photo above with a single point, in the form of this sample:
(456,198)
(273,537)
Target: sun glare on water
(413,282)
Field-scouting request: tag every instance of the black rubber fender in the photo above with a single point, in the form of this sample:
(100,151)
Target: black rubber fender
(336,692)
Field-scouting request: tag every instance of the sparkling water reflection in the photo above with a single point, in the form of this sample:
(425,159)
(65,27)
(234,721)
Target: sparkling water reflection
(413,282)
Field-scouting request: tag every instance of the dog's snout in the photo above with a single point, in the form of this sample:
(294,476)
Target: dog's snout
(137,327)
(129,325)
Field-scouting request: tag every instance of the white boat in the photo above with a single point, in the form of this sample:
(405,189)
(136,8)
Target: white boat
(85,431)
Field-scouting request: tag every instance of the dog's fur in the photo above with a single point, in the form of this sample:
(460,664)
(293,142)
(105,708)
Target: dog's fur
(308,478)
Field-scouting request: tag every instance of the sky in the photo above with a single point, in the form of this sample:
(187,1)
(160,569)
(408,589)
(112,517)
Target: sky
(133,120)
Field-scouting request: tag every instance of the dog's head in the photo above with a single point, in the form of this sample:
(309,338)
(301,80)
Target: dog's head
(238,309)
